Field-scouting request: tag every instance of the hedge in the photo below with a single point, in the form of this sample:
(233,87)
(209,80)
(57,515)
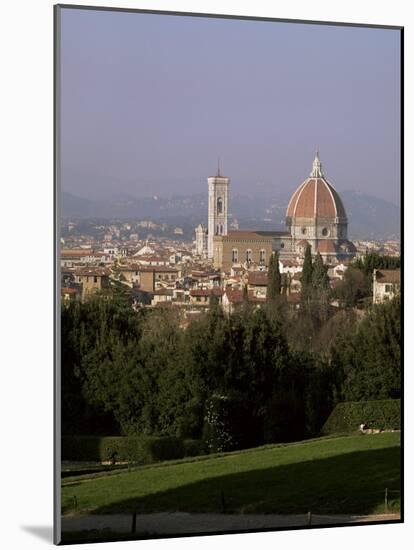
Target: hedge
(379,415)
(194,447)
(138,450)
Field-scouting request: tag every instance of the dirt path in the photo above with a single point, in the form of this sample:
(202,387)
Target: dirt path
(181,523)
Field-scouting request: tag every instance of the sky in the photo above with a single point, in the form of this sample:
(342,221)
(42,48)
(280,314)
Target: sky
(150,102)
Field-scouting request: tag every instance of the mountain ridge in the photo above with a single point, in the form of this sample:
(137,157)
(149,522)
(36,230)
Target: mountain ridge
(369,217)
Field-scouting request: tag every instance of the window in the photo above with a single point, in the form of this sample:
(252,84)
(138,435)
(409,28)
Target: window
(325,232)
(262,256)
(282,245)
(303,230)
(219,205)
(388,288)
(248,255)
(234,256)
(95,279)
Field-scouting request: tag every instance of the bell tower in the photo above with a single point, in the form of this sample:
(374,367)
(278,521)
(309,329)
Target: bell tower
(218,200)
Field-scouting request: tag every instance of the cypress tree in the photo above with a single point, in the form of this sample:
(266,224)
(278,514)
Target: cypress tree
(320,291)
(245,294)
(273,278)
(320,279)
(307,275)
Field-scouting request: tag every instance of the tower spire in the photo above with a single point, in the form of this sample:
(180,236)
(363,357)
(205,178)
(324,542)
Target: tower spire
(218,167)
(316,166)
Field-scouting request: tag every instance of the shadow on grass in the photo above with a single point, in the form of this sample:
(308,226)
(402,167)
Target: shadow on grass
(351,483)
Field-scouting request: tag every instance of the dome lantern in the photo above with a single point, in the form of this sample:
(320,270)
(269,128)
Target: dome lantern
(316,167)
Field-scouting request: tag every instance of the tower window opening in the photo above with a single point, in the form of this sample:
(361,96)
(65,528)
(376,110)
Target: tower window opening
(219,205)
(262,256)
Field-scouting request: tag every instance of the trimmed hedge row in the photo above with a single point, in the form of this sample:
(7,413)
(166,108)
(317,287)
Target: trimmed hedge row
(137,450)
(379,415)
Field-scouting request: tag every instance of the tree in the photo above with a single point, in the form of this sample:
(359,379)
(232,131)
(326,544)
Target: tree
(373,260)
(307,275)
(320,279)
(141,371)
(355,286)
(91,334)
(273,278)
(320,291)
(369,355)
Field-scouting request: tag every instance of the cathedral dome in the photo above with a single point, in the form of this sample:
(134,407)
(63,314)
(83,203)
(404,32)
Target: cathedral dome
(316,198)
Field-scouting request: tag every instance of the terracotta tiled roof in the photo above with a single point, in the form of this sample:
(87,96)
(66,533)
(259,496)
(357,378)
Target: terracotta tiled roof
(289,263)
(392,276)
(201,274)
(326,247)
(206,292)
(243,235)
(65,290)
(92,272)
(151,258)
(157,269)
(163,292)
(255,235)
(76,253)
(257,278)
(130,267)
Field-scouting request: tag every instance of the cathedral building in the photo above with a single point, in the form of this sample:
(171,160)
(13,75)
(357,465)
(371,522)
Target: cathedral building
(315,215)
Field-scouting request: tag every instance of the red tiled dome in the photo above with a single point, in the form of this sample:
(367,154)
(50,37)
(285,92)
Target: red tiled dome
(326,247)
(316,197)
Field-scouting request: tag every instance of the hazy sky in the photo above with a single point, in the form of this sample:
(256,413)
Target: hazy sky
(149,102)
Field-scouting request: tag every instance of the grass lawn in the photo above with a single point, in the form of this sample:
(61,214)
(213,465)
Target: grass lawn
(335,475)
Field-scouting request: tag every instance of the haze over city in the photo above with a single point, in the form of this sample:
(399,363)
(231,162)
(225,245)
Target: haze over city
(150,102)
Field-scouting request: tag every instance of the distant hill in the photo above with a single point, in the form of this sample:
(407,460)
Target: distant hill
(369,217)
(76,207)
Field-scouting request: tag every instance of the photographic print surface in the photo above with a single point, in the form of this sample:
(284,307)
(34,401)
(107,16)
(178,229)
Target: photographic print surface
(228,274)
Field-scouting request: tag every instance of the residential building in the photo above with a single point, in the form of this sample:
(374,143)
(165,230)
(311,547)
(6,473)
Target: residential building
(386,284)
